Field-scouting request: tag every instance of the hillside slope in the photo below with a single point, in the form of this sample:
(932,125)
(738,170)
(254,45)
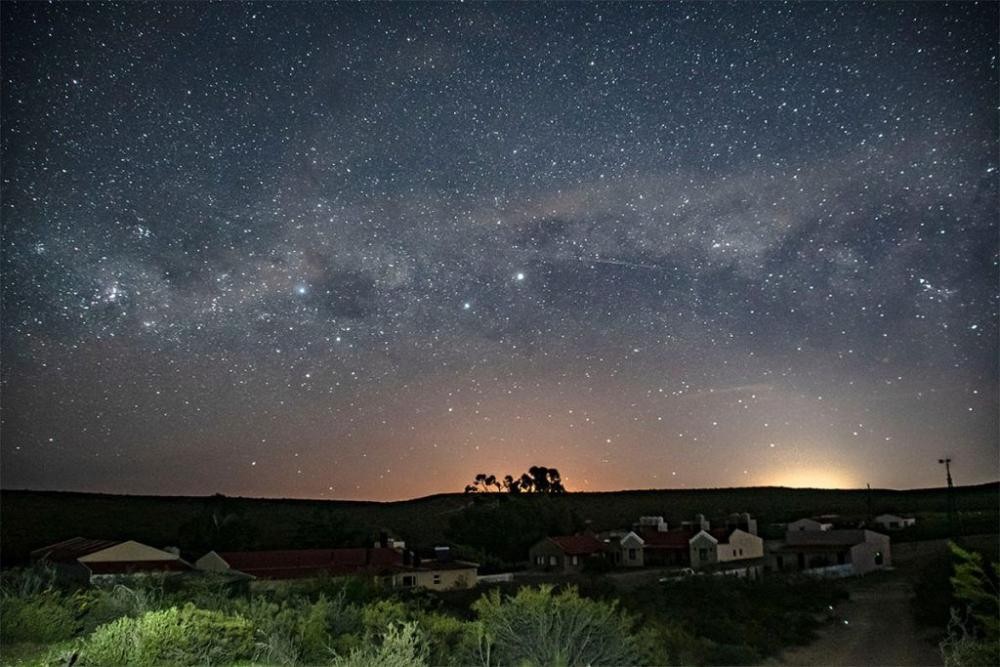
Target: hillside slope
(30,519)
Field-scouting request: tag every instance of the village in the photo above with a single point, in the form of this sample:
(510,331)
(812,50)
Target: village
(821,546)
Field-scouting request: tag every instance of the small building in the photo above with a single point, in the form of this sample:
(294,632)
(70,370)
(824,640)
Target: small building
(836,552)
(84,559)
(566,554)
(809,525)
(728,551)
(894,522)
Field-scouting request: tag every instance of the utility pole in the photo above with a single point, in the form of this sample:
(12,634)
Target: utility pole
(951,498)
(868,498)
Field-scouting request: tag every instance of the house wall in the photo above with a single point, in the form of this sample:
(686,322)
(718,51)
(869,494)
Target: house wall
(631,552)
(742,545)
(444,580)
(704,550)
(873,554)
(553,558)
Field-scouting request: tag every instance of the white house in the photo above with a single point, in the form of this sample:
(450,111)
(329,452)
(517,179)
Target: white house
(724,546)
(629,550)
(808,525)
(831,552)
(893,522)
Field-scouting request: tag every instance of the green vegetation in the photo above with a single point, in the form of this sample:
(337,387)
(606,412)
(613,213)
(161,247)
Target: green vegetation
(974,629)
(345,622)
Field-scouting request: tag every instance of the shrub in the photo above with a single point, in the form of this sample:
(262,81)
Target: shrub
(377,616)
(539,627)
(448,638)
(172,636)
(401,646)
(42,618)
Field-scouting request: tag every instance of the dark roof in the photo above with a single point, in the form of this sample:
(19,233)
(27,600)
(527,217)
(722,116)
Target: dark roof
(128,566)
(300,563)
(673,539)
(841,537)
(441,565)
(69,550)
(578,545)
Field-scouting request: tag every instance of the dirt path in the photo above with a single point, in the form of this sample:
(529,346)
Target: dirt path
(879,631)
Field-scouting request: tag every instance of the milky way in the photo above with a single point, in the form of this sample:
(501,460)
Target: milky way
(368,251)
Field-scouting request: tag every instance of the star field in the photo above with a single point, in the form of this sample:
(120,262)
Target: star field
(368,251)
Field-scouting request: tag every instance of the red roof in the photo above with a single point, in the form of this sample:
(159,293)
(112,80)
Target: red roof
(69,550)
(578,545)
(674,539)
(299,563)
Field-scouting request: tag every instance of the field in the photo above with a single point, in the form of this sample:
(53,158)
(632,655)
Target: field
(32,519)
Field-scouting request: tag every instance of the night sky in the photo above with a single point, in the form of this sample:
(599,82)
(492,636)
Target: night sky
(317,250)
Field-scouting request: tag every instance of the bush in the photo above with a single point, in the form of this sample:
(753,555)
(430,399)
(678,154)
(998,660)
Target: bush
(448,638)
(377,616)
(171,637)
(43,618)
(539,627)
(401,646)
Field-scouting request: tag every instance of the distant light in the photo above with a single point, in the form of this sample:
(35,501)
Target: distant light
(301,289)
(466,305)
(519,277)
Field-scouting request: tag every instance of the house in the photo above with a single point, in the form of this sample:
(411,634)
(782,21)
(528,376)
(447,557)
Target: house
(667,549)
(397,567)
(893,522)
(834,552)
(566,553)
(627,550)
(438,576)
(809,525)
(727,550)
(85,559)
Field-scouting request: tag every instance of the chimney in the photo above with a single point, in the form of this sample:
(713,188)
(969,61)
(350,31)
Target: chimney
(703,524)
(173,550)
(442,554)
(407,557)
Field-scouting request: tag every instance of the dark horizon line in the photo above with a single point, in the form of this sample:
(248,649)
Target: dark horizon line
(965,487)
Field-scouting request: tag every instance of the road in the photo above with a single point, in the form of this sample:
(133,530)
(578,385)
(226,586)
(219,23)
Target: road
(879,631)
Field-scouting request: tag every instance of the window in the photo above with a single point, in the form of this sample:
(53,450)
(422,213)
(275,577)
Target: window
(575,560)
(878,558)
(409,580)
(437,579)
(539,560)
(631,554)
(553,560)
(703,554)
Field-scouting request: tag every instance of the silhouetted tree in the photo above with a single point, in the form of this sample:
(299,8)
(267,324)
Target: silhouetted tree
(538,479)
